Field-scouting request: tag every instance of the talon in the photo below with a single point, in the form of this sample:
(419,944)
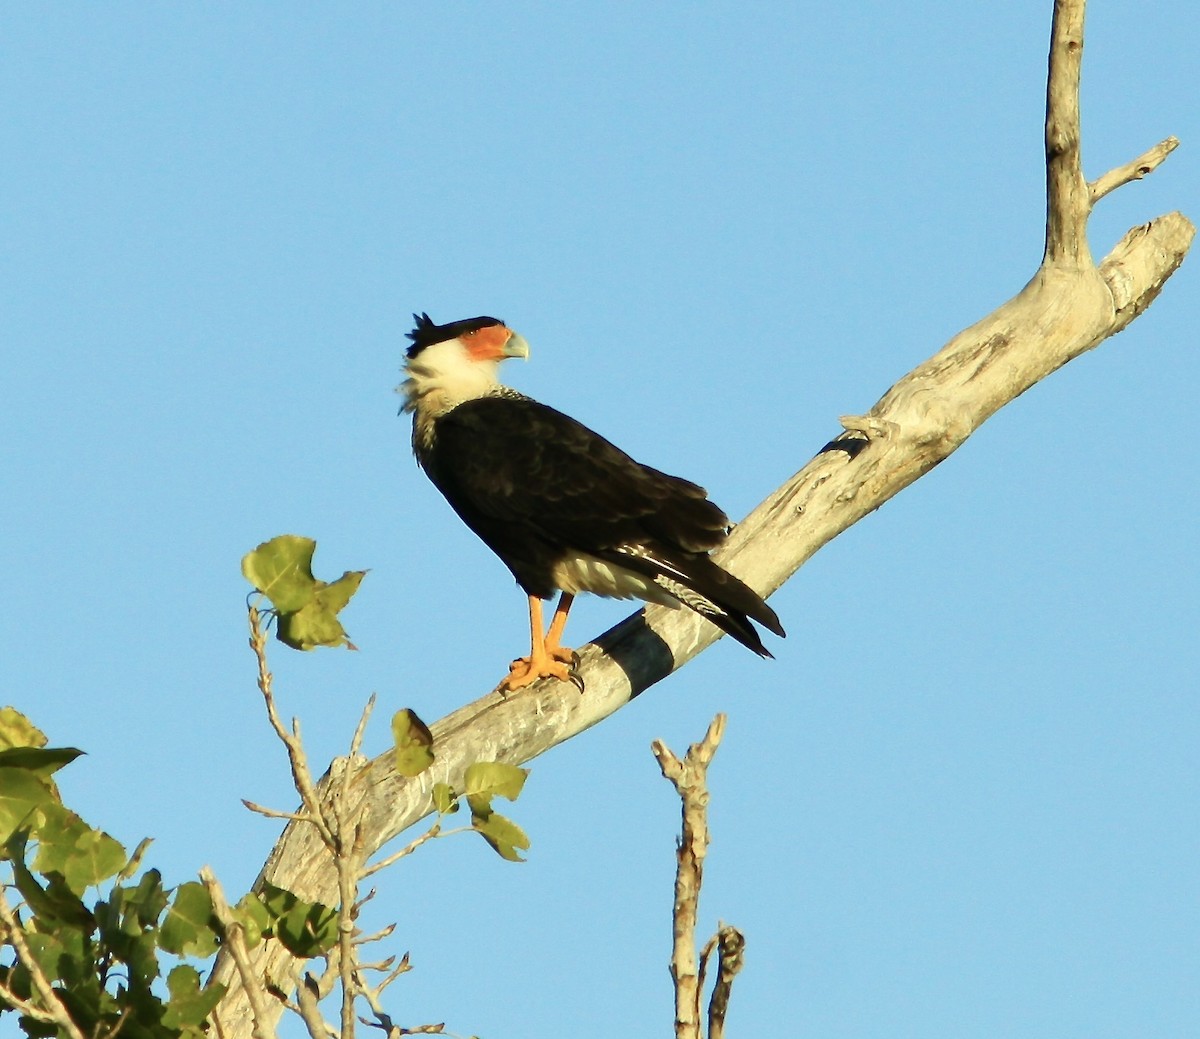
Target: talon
(528,670)
(547,659)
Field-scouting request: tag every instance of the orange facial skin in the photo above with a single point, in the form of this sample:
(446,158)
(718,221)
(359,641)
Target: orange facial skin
(487,344)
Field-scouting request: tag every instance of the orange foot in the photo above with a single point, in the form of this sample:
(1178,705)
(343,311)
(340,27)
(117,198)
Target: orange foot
(556,662)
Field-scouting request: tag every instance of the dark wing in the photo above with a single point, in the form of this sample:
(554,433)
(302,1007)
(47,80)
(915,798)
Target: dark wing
(523,475)
(536,485)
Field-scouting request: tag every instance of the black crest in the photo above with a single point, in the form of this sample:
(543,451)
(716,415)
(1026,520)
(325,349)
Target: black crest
(426,333)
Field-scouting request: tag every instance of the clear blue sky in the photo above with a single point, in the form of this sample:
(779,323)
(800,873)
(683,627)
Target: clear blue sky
(963,800)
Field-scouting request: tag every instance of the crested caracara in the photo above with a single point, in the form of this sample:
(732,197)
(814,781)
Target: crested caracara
(563,508)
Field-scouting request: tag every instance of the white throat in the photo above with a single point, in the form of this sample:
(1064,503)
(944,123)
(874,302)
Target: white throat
(444,375)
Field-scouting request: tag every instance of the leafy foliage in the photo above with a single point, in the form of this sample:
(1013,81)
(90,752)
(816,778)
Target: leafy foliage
(413,742)
(305,609)
(485,780)
(87,937)
(482,781)
(105,954)
(102,957)
(306,929)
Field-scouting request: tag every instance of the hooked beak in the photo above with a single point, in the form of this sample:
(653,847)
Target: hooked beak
(516,347)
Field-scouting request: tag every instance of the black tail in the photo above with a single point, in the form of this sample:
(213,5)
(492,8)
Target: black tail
(737,603)
(737,626)
(704,587)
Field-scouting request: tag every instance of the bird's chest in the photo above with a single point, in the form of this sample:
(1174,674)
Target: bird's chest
(424,436)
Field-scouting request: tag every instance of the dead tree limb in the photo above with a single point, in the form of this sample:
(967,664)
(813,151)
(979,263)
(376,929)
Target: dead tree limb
(1069,306)
(689,776)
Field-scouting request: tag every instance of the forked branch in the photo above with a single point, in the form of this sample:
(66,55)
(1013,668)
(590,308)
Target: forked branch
(689,776)
(1068,307)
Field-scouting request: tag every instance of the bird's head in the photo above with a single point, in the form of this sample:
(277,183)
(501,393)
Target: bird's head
(448,364)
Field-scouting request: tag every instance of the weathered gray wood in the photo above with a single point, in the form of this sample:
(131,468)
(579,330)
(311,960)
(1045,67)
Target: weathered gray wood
(1068,307)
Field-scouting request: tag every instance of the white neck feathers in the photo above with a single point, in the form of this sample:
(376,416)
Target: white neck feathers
(444,375)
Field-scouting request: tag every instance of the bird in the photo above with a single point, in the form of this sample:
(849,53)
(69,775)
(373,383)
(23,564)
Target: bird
(565,509)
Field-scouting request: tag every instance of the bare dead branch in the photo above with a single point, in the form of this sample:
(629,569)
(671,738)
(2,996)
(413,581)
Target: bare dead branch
(1144,164)
(1066,309)
(301,776)
(235,941)
(274,813)
(689,777)
(434,831)
(383,1021)
(307,1005)
(378,936)
(347,852)
(732,945)
(403,967)
(29,1009)
(1068,202)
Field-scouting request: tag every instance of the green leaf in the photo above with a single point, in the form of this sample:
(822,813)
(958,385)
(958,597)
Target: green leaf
(314,625)
(140,954)
(336,595)
(58,952)
(305,928)
(502,834)
(18,731)
(20,792)
(487,779)
(54,905)
(413,742)
(306,608)
(189,1004)
(134,861)
(483,781)
(145,903)
(188,930)
(254,918)
(445,800)
(282,570)
(67,844)
(42,761)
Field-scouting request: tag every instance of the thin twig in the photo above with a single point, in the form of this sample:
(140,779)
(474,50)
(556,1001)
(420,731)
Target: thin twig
(732,945)
(702,972)
(301,776)
(275,813)
(360,730)
(434,831)
(115,1029)
(342,840)
(348,854)
(235,940)
(1144,164)
(307,1006)
(378,936)
(31,1010)
(53,1009)
(384,1022)
(403,967)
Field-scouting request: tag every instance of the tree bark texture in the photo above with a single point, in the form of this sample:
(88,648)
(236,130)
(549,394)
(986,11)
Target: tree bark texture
(689,776)
(1068,307)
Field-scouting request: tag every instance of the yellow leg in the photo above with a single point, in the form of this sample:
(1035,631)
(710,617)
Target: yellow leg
(547,659)
(554,635)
